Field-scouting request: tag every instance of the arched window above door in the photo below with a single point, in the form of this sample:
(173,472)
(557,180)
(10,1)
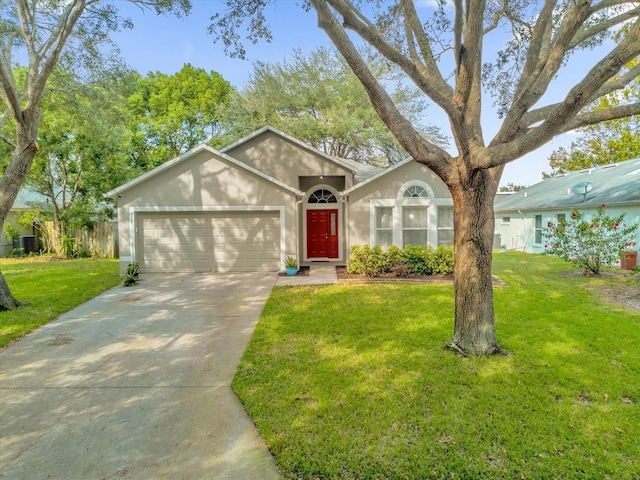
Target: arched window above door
(322,196)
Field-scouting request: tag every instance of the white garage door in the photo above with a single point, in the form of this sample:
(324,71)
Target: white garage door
(209,242)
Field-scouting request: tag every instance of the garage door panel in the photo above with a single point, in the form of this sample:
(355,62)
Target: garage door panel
(209,241)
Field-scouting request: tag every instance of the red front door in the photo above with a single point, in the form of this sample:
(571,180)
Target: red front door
(322,233)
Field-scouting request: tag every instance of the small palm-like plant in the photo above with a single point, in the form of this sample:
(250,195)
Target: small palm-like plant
(291,262)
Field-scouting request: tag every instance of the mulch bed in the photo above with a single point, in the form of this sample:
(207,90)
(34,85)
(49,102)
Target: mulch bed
(343,276)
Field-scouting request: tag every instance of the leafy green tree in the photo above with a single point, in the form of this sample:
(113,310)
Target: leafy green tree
(454,52)
(317,99)
(604,143)
(47,32)
(174,113)
(512,187)
(589,244)
(609,142)
(85,146)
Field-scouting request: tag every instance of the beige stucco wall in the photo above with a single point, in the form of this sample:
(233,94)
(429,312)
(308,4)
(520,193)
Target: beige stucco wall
(284,160)
(204,180)
(387,187)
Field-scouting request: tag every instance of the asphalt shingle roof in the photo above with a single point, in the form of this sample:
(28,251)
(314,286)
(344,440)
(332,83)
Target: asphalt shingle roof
(618,183)
(28,198)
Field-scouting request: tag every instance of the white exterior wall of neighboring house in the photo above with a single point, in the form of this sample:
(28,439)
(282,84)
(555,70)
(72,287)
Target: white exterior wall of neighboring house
(520,217)
(518,230)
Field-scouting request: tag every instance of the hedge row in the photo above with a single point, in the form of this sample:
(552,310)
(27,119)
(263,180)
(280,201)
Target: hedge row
(410,260)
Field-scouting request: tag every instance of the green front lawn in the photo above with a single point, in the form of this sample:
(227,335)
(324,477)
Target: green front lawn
(352,381)
(51,287)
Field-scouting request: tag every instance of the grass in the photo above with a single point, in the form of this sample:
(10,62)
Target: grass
(50,287)
(353,381)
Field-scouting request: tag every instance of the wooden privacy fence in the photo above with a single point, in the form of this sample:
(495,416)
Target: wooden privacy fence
(101,240)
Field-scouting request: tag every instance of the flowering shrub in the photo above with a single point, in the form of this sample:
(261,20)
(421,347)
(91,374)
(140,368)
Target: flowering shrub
(589,245)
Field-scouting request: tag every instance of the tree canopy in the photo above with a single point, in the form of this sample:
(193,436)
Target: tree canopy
(317,99)
(456,53)
(85,145)
(174,113)
(603,143)
(76,32)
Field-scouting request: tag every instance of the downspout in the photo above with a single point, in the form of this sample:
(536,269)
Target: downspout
(299,233)
(345,201)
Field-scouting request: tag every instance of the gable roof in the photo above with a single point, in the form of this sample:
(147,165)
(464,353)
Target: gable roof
(377,175)
(185,156)
(617,183)
(361,171)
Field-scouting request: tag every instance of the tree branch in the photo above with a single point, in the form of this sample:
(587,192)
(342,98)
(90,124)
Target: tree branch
(543,113)
(603,115)
(425,63)
(420,149)
(603,26)
(543,64)
(429,85)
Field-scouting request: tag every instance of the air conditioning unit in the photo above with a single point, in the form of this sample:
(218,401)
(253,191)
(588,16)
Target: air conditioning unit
(27,244)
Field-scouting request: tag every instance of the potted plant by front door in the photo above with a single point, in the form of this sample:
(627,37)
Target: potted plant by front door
(291,265)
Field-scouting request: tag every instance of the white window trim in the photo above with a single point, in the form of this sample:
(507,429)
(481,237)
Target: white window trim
(400,201)
(413,183)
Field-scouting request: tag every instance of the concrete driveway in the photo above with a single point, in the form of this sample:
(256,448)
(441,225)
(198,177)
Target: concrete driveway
(135,384)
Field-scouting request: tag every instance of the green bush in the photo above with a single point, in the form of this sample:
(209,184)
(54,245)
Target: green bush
(419,259)
(393,256)
(366,260)
(443,260)
(413,259)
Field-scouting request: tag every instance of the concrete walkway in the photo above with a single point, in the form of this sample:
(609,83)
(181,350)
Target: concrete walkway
(135,384)
(319,274)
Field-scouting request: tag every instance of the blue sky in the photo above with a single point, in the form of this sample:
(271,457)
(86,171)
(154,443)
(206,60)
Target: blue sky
(166,43)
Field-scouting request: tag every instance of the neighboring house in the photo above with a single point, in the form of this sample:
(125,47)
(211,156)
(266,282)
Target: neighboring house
(521,216)
(27,199)
(269,196)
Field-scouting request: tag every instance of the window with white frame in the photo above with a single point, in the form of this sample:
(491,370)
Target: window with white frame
(414,225)
(384,226)
(445,225)
(408,219)
(538,229)
(322,196)
(415,191)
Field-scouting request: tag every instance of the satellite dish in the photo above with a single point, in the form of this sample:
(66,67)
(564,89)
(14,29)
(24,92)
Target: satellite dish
(582,188)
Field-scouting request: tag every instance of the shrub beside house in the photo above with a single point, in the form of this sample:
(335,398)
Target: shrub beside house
(521,217)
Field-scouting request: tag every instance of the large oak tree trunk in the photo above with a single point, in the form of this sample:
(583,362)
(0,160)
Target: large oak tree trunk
(474,331)
(10,185)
